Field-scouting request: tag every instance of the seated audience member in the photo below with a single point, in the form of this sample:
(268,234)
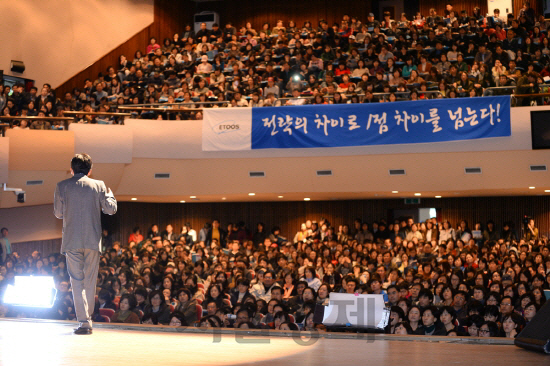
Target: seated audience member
(157,306)
(126,313)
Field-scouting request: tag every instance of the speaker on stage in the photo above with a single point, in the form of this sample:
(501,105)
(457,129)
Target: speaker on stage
(536,335)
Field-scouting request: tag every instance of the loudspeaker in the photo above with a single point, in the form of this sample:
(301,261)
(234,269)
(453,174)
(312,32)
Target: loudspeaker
(21,197)
(540,130)
(536,335)
(17,66)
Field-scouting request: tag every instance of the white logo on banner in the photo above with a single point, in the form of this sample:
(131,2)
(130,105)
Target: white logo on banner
(227,129)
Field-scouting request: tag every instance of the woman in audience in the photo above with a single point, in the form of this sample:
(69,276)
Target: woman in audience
(311,278)
(158,307)
(447,317)
(177,319)
(126,313)
(215,293)
(415,320)
(430,323)
(512,325)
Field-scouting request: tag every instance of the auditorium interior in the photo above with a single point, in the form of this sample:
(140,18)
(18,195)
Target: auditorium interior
(271,161)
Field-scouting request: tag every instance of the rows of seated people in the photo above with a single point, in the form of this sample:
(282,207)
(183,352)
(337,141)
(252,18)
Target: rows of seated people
(448,56)
(437,279)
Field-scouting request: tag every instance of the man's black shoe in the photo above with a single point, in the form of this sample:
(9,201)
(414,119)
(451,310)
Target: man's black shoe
(81,331)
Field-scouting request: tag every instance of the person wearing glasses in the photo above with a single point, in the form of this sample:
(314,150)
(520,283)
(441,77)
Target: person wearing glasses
(506,306)
(488,329)
(177,320)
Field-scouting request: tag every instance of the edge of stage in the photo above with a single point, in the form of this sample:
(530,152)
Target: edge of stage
(50,342)
(272,332)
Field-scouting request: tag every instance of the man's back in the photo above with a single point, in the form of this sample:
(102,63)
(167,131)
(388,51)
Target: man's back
(79,201)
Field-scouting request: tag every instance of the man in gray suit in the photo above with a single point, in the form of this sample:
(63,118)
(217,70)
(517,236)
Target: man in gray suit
(79,201)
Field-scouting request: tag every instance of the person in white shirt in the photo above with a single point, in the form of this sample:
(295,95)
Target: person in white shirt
(296,100)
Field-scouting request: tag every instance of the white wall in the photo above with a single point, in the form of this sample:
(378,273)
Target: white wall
(58,38)
(31,223)
(505,7)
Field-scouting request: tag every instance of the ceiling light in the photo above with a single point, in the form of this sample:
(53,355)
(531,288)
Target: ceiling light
(252,194)
(547,190)
(394,191)
(223,198)
(531,187)
(182,201)
(307,199)
(437,196)
(192,196)
(280,196)
(418,194)
(134,199)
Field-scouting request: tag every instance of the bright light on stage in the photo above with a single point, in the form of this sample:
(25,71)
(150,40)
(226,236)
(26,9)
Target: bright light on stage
(36,292)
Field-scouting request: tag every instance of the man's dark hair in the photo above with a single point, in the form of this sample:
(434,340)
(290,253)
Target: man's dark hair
(426,293)
(398,311)
(81,164)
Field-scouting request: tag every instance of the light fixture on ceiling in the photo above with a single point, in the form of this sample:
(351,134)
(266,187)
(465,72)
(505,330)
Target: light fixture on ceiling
(223,198)
(418,194)
(134,199)
(394,191)
(280,196)
(547,190)
(437,196)
(307,199)
(252,194)
(531,187)
(182,201)
(192,196)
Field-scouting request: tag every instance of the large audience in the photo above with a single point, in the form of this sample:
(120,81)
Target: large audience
(436,278)
(448,55)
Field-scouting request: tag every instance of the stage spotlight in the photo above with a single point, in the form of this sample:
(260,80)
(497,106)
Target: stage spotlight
(30,291)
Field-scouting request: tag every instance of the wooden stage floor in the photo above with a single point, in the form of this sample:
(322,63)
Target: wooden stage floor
(48,343)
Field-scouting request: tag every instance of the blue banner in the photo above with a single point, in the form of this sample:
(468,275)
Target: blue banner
(389,123)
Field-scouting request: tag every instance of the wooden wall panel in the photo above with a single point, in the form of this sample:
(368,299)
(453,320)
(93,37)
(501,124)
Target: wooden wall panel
(45,247)
(439,6)
(535,4)
(259,12)
(289,215)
